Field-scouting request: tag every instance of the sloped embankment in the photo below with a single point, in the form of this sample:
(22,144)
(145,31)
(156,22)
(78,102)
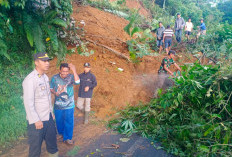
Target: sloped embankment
(115,89)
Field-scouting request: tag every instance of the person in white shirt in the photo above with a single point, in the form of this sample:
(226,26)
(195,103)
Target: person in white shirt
(188,28)
(39,110)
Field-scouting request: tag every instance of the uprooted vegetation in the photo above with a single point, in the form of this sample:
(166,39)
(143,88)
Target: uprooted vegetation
(195,114)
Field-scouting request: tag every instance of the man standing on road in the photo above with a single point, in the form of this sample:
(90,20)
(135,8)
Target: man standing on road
(163,80)
(61,86)
(188,29)
(179,25)
(159,34)
(38,106)
(167,38)
(202,28)
(87,84)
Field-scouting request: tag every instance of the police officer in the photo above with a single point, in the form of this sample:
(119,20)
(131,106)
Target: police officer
(38,106)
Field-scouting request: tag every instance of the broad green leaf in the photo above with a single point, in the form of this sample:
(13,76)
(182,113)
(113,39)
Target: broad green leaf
(124,139)
(180,97)
(209,131)
(204,148)
(135,30)
(216,116)
(227,137)
(58,22)
(172,116)
(28,28)
(127,28)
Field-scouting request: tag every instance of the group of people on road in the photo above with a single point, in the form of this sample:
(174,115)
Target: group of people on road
(164,36)
(44,121)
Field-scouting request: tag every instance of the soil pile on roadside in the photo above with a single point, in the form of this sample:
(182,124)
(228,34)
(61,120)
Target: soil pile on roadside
(116,89)
(138,5)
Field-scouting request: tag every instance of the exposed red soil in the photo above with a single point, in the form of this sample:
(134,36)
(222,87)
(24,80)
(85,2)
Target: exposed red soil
(138,5)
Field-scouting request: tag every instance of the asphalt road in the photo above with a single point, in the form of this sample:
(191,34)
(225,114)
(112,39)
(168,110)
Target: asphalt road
(133,146)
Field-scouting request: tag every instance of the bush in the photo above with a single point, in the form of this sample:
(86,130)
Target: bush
(216,44)
(31,26)
(26,27)
(193,118)
(13,118)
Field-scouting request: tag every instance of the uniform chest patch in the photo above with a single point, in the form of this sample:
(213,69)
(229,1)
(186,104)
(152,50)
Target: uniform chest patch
(43,87)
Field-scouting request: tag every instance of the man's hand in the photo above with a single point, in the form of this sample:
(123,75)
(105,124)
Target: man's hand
(72,67)
(87,89)
(39,125)
(57,93)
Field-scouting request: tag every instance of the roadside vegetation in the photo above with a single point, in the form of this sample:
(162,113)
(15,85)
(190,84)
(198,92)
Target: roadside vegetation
(194,114)
(26,27)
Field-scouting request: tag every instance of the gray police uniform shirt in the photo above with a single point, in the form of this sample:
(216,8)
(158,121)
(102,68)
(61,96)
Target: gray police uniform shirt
(37,97)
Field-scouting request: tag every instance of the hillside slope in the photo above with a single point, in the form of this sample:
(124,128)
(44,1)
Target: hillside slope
(115,89)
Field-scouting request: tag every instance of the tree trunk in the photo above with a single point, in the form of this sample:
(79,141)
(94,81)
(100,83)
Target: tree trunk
(164,4)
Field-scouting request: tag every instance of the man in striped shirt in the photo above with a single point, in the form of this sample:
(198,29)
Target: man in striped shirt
(167,38)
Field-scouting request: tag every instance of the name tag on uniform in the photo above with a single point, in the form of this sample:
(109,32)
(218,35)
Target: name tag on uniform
(88,80)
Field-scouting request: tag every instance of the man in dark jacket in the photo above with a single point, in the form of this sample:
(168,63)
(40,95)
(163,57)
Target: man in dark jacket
(160,34)
(179,25)
(87,83)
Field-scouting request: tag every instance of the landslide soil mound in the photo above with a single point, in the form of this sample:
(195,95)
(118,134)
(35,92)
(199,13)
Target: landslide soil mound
(138,5)
(115,89)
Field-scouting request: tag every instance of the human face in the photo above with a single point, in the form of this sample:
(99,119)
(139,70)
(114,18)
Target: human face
(64,72)
(172,56)
(42,66)
(189,20)
(178,16)
(86,69)
(202,21)
(160,24)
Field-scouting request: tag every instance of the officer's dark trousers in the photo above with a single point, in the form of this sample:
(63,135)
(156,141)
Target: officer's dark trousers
(36,137)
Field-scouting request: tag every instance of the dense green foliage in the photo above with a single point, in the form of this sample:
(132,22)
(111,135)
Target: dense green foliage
(218,40)
(193,118)
(26,27)
(31,26)
(13,122)
(226,9)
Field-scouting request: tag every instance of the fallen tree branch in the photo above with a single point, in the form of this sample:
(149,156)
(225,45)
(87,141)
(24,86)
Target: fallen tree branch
(110,49)
(105,37)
